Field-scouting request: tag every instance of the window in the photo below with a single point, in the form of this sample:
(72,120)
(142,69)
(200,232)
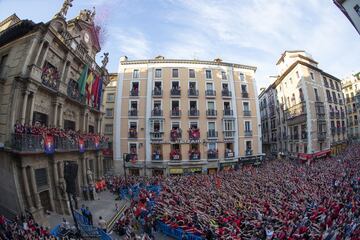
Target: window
(41,177)
(297,74)
(109,112)
(175,73)
(2,65)
(91,129)
(316,95)
(248,145)
(211,126)
(209,86)
(136,73)
(242,77)
(110,97)
(133,125)
(191,73)
(243,88)
(133,148)
(211,105)
(337,86)
(247,126)
(246,106)
(228,125)
(326,84)
(312,76)
(69,125)
(357,9)
(211,146)
(40,117)
(223,75)
(208,74)
(157,105)
(157,73)
(133,105)
(108,128)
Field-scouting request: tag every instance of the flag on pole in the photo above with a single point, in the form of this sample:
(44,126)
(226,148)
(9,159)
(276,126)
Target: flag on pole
(82,80)
(89,82)
(94,89)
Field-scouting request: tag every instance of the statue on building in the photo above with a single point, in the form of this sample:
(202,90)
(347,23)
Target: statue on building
(65,7)
(86,15)
(105,60)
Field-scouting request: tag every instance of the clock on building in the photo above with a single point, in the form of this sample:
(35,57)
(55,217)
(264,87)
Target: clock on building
(86,37)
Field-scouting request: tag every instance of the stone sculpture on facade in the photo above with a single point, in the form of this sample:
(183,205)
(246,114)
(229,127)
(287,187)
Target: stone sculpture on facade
(65,7)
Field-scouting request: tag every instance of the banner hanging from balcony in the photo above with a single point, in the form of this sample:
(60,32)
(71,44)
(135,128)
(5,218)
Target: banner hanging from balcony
(82,80)
(81,145)
(49,146)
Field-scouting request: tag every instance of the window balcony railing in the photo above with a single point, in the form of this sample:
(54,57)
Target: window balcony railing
(74,93)
(133,156)
(229,154)
(332,115)
(156,113)
(211,113)
(194,113)
(175,113)
(194,155)
(194,134)
(193,92)
(157,92)
(226,93)
(66,144)
(133,113)
(248,133)
(245,94)
(329,99)
(212,134)
(229,134)
(157,157)
(156,135)
(247,113)
(134,92)
(249,152)
(175,134)
(132,134)
(174,92)
(212,154)
(210,93)
(228,112)
(175,155)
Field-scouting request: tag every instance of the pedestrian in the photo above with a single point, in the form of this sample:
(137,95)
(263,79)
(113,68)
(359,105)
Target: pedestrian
(89,216)
(85,193)
(102,224)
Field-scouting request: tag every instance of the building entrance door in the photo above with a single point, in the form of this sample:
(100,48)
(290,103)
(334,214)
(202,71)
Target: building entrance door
(45,200)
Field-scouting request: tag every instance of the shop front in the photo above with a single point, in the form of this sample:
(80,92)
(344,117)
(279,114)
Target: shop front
(227,166)
(134,172)
(212,170)
(255,160)
(337,148)
(176,171)
(193,170)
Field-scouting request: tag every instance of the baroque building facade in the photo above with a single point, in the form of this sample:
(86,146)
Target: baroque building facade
(185,116)
(302,112)
(40,64)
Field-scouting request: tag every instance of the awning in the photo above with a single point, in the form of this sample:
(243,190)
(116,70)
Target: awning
(304,156)
(322,153)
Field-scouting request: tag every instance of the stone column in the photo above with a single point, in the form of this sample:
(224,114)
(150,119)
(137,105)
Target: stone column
(55,113)
(24,106)
(34,187)
(32,108)
(57,190)
(60,116)
(27,190)
(83,163)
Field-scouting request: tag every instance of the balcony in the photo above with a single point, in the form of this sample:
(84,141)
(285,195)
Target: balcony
(229,154)
(156,113)
(335,100)
(248,133)
(296,114)
(228,134)
(247,113)
(133,156)
(50,77)
(212,134)
(66,144)
(249,152)
(156,135)
(157,93)
(74,93)
(210,93)
(321,136)
(132,134)
(134,93)
(175,155)
(175,113)
(337,114)
(228,112)
(211,113)
(194,134)
(245,94)
(212,154)
(296,137)
(332,114)
(194,155)
(193,92)
(175,135)
(329,99)
(226,93)
(175,92)
(133,113)
(157,157)
(193,113)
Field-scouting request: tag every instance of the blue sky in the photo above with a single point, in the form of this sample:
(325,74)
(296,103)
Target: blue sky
(252,32)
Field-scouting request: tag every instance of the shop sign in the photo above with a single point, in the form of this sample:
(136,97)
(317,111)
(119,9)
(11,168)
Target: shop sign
(176,170)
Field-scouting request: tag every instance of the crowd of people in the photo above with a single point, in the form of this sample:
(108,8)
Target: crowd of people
(23,228)
(41,129)
(282,199)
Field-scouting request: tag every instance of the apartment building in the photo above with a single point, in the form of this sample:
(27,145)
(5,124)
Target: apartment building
(351,89)
(185,116)
(302,111)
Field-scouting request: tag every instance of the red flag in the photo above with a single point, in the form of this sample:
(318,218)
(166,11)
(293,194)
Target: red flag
(94,89)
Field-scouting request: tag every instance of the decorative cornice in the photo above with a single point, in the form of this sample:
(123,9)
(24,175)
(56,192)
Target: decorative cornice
(185,61)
